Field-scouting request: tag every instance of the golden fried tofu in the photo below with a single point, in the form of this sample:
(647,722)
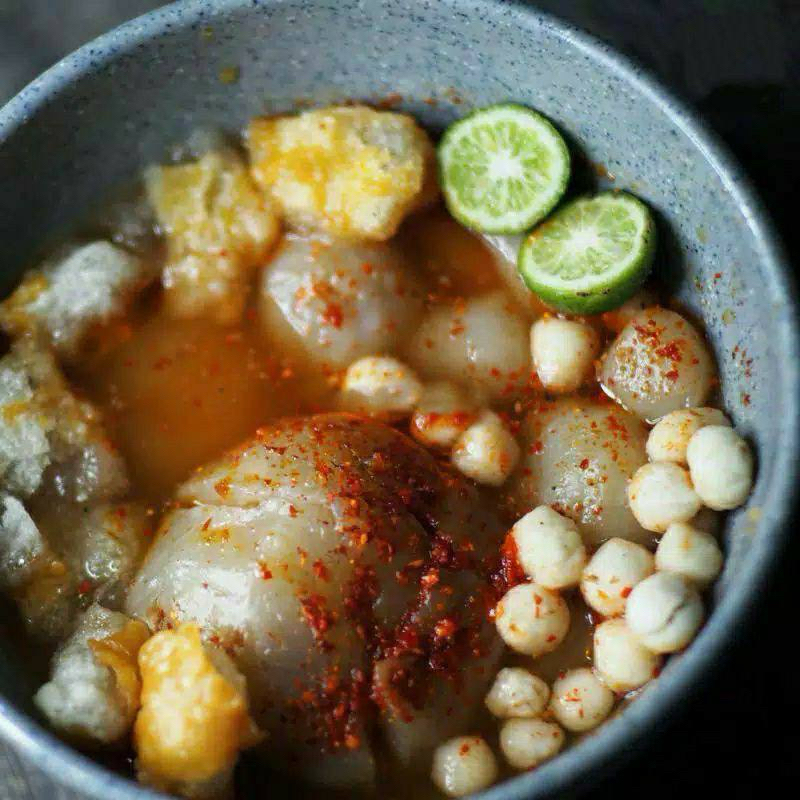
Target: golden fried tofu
(218,228)
(65,298)
(94,688)
(352,172)
(43,423)
(194,717)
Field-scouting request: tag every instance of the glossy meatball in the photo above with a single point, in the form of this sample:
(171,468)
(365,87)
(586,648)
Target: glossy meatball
(482,343)
(337,301)
(339,565)
(578,457)
(658,364)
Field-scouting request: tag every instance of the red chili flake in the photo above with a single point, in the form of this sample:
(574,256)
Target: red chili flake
(551,638)
(333,315)
(445,628)
(509,572)
(223,487)
(351,741)
(320,570)
(84,587)
(494,372)
(651,332)
(717,276)
(625,591)
(672,351)
(367,268)
(672,375)
(292,511)
(464,749)
(264,571)
(206,524)
(584,464)
(536,447)
(745,399)
(430,578)
(318,617)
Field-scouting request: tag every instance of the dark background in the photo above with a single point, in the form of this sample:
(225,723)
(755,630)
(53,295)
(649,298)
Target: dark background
(738,63)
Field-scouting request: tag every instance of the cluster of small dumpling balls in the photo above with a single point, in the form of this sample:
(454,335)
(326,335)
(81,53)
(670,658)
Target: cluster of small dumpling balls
(481,447)
(650,605)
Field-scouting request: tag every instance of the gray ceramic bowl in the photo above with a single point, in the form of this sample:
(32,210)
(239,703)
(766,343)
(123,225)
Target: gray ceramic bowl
(100,115)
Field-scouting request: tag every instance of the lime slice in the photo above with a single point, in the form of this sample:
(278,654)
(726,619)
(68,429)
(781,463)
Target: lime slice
(591,255)
(502,168)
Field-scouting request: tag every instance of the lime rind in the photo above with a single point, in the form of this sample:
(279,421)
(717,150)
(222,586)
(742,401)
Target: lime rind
(502,168)
(591,255)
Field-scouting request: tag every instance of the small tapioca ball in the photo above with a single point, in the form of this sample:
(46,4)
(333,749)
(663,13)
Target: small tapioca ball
(486,451)
(621,661)
(563,351)
(526,743)
(578,456)
(481,342)
(670,437)
(721,466)
(531,619)
(581,701)
(664,612)
(658,363)
(380,385)
(442,414)
(611,574)
(516,692)
(549,548)
(662,493)
(463,765)
(689,552)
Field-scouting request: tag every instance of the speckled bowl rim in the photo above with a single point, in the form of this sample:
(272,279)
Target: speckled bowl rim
(580,766)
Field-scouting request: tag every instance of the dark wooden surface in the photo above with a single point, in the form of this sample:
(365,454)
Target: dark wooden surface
(738,62)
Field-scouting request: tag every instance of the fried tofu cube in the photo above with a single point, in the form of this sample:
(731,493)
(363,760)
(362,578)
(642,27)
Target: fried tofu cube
(47,433)
(21,543)
(194,718)
(25,427)
(94,689)
(64,299)
(218,227)
(353,172)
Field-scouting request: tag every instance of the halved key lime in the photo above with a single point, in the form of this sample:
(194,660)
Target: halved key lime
(502,168)
(592,254)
